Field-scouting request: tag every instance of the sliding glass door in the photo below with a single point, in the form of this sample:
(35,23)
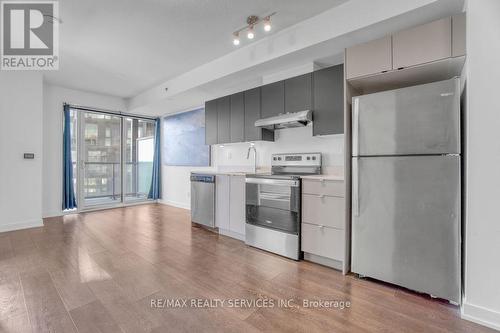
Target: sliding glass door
(138,158)
(114,158)
(100,159)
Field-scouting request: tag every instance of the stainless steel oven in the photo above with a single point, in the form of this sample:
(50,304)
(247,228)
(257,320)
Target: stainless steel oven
(273,204)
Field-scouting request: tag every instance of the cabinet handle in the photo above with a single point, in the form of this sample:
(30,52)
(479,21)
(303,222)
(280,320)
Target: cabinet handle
(355,127)
(355,186)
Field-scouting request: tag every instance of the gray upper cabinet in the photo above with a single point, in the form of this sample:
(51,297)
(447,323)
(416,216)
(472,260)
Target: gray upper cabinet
(369,58)
(224,119)
(237,127)
(422,44)
(272,99)
(328,114)
(298,93)
(211,122)
(252,113)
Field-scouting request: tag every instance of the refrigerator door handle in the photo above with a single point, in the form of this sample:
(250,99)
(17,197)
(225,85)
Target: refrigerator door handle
(355,186)
(355,127)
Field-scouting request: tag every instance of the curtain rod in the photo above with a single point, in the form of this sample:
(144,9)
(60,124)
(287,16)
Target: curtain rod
(98,110)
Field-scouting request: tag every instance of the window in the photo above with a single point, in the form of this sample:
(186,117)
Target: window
(138,157)
(99,153)
(91,134)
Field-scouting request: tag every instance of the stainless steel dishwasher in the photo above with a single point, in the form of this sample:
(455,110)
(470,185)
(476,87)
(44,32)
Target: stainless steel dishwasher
(203,199)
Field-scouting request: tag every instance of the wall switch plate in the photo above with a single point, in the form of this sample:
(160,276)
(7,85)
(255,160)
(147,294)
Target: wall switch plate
(29,156)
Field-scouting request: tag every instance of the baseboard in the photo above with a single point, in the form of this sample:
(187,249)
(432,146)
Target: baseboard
(53,214)
(175,204)
(97,208)
(481,315)
(323,261)
(21,225)
(232,234)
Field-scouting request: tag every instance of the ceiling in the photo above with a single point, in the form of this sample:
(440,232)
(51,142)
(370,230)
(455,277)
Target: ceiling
(318,41)
(121,48)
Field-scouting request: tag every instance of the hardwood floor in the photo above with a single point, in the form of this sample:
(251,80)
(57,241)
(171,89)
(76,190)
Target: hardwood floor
(101,271)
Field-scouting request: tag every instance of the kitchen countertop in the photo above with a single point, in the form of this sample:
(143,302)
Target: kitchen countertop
(222,173)
(334,177)
(324,177)
(232,173)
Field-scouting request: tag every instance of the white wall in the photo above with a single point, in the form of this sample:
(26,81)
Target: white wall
(53,99)
(176,186)
(292,140)
(482,270)
(20,132)
(232,158)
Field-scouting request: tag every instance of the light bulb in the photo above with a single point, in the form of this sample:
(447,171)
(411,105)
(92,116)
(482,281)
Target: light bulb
(236,38)
(250,34)
(267,24)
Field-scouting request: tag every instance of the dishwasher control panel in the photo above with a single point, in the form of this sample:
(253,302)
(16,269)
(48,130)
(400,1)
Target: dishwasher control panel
(203,178)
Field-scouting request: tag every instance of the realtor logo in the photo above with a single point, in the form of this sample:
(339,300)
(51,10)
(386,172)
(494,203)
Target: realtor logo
(29,35)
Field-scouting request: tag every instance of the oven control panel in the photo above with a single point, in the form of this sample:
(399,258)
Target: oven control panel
(296,159)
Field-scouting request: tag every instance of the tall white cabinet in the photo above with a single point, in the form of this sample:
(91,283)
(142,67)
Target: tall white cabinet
(230,207)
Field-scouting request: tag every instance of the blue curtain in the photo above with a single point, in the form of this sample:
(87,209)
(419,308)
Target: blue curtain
(154,191)
(69,200)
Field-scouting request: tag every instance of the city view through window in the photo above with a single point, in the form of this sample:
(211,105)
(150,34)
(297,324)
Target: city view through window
(103,147)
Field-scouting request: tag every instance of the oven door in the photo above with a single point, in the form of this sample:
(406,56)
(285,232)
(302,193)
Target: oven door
(273,203)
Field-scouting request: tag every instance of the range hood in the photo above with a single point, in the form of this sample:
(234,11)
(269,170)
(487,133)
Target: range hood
(286,120)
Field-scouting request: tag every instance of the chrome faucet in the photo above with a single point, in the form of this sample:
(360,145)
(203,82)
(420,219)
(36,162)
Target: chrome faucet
(252,147)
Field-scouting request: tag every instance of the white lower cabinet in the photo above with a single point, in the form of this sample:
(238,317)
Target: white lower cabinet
(222,185)
(237,205)
(324,232)
(323,187)
(230,205)
(323,210)
(323,241)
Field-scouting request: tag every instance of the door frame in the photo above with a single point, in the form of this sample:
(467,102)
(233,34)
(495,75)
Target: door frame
(80,171)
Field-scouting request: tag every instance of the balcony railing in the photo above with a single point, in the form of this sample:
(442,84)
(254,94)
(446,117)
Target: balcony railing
(111,174)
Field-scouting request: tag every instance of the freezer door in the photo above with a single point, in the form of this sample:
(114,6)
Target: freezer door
(406,222)
(422,119)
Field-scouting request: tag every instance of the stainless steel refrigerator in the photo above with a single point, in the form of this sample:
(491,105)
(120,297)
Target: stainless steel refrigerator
(406,192)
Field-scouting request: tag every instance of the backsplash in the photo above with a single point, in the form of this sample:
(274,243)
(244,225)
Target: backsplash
(232,157)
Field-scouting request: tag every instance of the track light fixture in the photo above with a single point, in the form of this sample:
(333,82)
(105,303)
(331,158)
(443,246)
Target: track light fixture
(236,39)
(252,21)
(267,24)
(250,33)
